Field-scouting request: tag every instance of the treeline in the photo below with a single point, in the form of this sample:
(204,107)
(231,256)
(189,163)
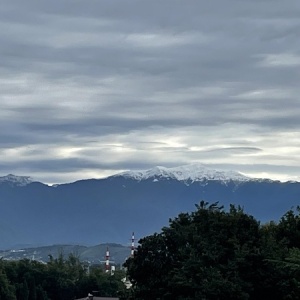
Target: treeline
(209,254)
(59,279)
(216,254)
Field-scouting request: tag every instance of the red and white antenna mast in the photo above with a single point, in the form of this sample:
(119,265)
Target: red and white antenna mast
(132,245)
(107,268)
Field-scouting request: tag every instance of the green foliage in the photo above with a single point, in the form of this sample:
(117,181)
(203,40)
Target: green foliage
(7,291)
(59,279)
(288,229)
(214,254)
(208,254)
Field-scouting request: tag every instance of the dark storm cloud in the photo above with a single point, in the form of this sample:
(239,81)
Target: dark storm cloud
(209,81)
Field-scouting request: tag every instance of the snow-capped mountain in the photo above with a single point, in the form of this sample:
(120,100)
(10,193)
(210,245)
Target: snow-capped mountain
(14,180)
(192,173)
(109,209)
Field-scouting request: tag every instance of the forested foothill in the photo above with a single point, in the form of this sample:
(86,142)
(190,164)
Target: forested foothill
(211,253)
(60,279)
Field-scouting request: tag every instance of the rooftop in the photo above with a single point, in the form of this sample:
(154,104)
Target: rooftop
(100,298)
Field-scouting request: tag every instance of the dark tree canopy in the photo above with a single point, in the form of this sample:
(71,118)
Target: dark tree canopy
(59,279)
(208,254)
(216,254)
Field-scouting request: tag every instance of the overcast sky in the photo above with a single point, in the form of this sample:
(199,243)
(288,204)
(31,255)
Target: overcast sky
(91,88)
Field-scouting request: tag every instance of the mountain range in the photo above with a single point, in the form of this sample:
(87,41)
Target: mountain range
(97,211)
(93,255)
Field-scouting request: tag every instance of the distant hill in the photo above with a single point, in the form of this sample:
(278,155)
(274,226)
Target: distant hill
(94,211)
(92,255)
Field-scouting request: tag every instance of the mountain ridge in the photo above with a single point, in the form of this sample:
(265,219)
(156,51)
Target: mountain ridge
(186,173)
(192,172)
(109,209)
(15,180)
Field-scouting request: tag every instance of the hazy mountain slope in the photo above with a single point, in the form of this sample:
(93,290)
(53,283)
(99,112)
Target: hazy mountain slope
(108,210)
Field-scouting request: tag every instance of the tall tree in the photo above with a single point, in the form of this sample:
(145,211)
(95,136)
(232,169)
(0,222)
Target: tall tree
(7,291)
(207,254)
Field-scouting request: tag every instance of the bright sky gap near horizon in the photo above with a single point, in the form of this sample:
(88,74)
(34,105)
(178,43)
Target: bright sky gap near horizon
(92,88)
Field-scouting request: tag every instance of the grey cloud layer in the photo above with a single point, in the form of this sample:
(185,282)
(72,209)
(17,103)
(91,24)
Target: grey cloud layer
(214,82)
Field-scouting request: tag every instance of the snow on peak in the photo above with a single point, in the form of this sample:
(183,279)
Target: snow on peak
(16,180)
(193,172)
